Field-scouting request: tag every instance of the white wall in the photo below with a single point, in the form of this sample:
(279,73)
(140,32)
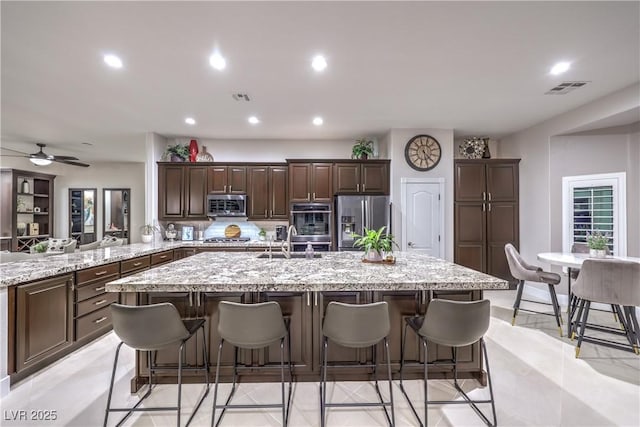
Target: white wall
(533,146)
(397,141)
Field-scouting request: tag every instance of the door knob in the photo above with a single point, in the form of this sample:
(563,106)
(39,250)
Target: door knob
(410,244)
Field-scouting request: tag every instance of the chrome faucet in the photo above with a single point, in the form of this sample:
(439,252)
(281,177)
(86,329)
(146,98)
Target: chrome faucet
(270,242)
(286,246)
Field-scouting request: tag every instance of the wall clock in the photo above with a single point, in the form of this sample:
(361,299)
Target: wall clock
(422,152)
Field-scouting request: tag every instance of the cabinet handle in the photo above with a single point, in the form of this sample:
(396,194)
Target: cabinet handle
(190,299)
(271,212)
(102,301)
(314,196)
(315,298)
(101,273)
(358,188)
(484,207)
(308,299)
(100,288)
(100,320)
(489,196)
(225,188)
(309,196)
(265,212)
(163,256)
(484,195)
(137,264)
(229,189)
(364,188)
(489,207)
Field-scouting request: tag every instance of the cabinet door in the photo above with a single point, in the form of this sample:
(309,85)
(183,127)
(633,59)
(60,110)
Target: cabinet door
(469,182)
(258,192)
(297,308)
(502,228)
(347,178)
(170,189)
(470,235)
(237,179)
(279,193)
(44,316)
(502,182)
(217,179)
(195,192)
(322,179)
(375,179)
(299,182)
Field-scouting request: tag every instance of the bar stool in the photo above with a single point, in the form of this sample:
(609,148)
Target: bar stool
(151,328)
(454,324)
(523,271)
(614,282)
(356,326)
(252,326)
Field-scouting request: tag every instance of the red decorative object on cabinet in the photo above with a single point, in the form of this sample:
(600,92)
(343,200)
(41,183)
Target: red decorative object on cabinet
(193,150)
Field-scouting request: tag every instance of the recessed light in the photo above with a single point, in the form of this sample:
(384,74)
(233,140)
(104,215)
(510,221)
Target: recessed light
(319,63)
(560,68)
(318,121)
(254,120)
(113,61)
(217,61)
(190,121)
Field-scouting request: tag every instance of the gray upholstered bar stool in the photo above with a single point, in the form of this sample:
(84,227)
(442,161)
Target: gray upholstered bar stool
(151,328)
(252,326)
(356,326)
(454,324)
(523,271)
(608,281)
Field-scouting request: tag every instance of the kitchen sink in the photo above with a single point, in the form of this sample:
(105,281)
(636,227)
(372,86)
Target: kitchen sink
(280,255)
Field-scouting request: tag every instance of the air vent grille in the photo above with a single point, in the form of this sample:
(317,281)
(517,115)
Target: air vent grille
(241,97)
(565,87)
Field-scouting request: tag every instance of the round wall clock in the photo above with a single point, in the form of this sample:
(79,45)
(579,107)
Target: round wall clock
(422,152)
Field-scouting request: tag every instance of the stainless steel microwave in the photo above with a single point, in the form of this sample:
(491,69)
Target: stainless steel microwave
(226,205)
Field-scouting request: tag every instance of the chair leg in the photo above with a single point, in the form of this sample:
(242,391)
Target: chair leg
(402,389)
(516,304)
(490,382)
(636,328)
(180,354)
(426,391)
(113,375)
(323,383)
(556,306)
(284,406)
(393,413)
(583,324)
(576,324)
(215,387)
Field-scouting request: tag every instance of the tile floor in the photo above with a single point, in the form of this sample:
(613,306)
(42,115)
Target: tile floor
(537,382)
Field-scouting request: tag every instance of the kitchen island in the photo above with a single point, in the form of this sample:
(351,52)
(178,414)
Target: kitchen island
(303,288)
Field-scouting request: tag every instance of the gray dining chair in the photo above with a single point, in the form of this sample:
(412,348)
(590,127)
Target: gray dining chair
(356,326)
(523,271)
(454,324)
(252,326)
(608,281)
(151,328)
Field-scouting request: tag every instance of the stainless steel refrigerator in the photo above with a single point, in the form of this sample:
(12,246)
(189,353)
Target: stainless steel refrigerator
(355,212)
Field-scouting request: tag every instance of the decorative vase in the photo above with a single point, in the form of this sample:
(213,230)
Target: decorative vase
(25,187)
(203,156)
(146,238)
(486,154)
(597,253)
(193,150)
(373,256)
(176,158)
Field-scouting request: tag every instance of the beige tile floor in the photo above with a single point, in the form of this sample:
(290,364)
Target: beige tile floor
(537,382)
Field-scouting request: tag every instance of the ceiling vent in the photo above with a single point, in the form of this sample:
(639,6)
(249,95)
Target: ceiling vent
(241,97)
(565,87)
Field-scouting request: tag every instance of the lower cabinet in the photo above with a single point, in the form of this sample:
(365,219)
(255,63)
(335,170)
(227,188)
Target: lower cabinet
(43,322)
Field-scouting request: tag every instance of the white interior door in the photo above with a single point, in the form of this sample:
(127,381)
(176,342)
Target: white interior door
(422,211)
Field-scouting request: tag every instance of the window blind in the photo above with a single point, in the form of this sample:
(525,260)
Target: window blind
(593,211)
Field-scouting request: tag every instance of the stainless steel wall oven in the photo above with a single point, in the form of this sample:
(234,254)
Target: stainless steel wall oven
(314,223)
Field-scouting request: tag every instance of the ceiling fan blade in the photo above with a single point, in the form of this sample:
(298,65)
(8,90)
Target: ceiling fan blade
(63,158)
(71,162)
(15,151)
(12,155)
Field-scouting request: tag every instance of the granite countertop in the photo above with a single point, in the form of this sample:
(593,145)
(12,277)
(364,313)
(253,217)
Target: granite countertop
(334,271)
(40,267)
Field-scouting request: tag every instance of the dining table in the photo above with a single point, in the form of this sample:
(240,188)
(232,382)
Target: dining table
(573,261)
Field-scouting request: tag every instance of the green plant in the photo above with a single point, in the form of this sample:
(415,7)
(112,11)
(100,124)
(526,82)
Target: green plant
(148,229)
(375,240)
(178,150)
(262,232)
(362,149)
(597,240)
(40,247)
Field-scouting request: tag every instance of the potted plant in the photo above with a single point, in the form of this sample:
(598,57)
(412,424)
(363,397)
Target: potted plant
(262,234)
(177,153)
(597,242)
(362,149)
(377,244)
(146,232)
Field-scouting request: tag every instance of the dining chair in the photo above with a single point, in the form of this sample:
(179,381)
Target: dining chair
(523,271)
(608,281)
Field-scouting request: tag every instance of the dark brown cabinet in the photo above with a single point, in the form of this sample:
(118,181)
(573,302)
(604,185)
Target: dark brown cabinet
(268,192)
(227,179)
(182,191)
(44,320)
(366,177)
(310,182)
(92,316)
(486,214)
(26,211)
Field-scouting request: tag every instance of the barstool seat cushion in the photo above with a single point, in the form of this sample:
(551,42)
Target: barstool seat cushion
(251,326)
(455,323)
(356,325)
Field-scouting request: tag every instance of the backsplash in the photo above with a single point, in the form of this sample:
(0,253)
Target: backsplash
(209,229)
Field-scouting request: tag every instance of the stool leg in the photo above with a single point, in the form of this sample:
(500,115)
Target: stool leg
(583,325)
(180,352)
(426,374)
(113,375)
(393,413)
(323,382)
(284,407)
(486,362)
(556,306)
(636,328)
(215,387)
(516,304)
(576,324)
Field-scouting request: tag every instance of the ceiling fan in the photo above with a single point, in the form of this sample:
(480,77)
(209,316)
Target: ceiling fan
(43,159)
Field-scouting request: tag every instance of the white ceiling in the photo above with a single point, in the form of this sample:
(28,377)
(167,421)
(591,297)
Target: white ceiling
(479,68)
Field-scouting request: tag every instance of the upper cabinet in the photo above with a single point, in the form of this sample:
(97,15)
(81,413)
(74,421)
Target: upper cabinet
(227,180)
(182,191)
(310,182)
(494,180)
(26,214)
(365,177)
(268,192)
